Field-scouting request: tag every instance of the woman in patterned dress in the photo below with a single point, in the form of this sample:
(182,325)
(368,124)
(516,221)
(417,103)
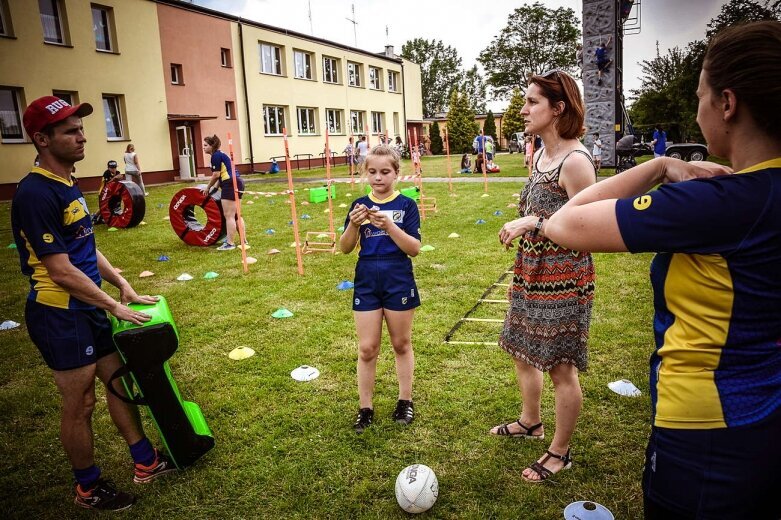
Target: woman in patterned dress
(546,328)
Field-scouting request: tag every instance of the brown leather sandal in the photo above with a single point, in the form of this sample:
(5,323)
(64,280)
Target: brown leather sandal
(504,431)
(545,473)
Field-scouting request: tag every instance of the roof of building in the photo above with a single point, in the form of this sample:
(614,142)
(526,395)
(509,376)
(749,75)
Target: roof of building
(219,14)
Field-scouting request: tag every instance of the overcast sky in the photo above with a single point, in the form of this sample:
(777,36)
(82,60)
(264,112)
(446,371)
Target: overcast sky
(467,25)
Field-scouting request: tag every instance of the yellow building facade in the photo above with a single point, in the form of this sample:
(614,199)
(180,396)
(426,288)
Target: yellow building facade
(304,85)
(99,54)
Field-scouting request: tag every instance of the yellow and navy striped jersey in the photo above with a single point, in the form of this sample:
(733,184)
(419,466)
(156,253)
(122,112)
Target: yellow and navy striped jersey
(222,163)
(401,210)
(49,215)
(717,295)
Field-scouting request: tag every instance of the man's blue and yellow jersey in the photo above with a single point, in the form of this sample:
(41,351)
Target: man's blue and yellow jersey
(222,163)
(717,295)
(402,210)
(49,215)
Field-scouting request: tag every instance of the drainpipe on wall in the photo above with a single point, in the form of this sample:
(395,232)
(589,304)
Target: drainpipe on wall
(404,105)
(246,96)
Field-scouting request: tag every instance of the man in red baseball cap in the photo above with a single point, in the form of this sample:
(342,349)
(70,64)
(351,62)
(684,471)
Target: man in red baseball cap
(66,308)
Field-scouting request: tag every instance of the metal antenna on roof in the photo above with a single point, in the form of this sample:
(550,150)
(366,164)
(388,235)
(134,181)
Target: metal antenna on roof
(311,30)
(354,22)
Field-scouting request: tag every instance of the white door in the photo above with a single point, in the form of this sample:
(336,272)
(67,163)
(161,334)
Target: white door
(184,143)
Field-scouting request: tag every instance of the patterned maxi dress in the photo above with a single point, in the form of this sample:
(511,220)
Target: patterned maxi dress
(553,287)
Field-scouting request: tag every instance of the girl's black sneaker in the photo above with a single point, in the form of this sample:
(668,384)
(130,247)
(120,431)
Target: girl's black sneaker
(364,420)
(404,412)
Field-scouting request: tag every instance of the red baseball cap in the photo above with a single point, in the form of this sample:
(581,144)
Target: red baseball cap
(49,110)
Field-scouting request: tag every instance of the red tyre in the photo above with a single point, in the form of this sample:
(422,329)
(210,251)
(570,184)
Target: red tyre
(186,225)
(122,204)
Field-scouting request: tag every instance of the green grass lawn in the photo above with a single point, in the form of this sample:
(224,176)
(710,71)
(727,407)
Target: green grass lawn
(286,449)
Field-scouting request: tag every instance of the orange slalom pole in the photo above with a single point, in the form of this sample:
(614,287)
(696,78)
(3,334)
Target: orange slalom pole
(328,182)
(368,136)
(485,163)
(239,226)
(292,198)
(449,166)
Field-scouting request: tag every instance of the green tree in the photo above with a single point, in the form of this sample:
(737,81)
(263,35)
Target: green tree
(489,128)
(741,11)
(512,121)
(440,71)
(461,125)
(436,139)
(535,39)
(473,85)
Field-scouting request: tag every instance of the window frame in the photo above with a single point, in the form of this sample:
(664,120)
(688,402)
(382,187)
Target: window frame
(6,27)
(311,119)
(280,111)
(354,75)
(393,81)
(360,119)
(338,129)
(61,25)
(110,29)
(17,94)
(72,94)
(334,70)
(308,57)
(377,129)
(396,123)
(230,110)
(225,58)
(376,84)
(276,58)
(177,74)
(120,116)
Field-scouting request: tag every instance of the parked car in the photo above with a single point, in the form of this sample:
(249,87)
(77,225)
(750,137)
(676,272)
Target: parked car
(516,143)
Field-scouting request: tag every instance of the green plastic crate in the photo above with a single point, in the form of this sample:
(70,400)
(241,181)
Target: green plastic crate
(412,192)
(321,194)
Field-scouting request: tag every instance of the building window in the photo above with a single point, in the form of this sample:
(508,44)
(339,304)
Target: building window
(374,78)
(354,74)
(68,96)
(330,70)
(306,121)
(273,120)
(303,63)
(393,81)
(112,110)
(5,20)
(53,21)
(225,58)
(10,115)
(270,59)
(377,125)
(357,122)
(176,74)
(334,118)
(230,110)
(103,28)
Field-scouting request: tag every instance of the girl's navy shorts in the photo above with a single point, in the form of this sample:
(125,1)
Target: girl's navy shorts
(383,282)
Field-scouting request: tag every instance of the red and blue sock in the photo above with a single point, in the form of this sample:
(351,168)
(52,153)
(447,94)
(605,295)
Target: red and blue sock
(142,452)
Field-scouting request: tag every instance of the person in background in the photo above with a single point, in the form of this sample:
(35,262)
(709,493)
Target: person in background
(133,168)
(659,142)
(603,62)
(596,151)
(466,164)
(715,376)
(223,175)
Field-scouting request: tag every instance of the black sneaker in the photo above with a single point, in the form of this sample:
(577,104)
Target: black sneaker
(364,420)
(103,495)
(404,412)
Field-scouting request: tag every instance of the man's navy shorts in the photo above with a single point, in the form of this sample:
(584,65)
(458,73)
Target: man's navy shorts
(383,282)
(226,187)
(69,338)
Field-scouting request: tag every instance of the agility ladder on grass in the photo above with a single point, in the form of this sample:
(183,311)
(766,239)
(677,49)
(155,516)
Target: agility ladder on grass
(480,301)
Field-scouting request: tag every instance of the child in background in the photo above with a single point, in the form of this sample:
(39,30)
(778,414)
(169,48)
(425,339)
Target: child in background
(387,224)
(596,151)
(466,164)
(527,160)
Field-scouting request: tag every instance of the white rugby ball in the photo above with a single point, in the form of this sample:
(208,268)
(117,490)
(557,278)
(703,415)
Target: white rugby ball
(416,488)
